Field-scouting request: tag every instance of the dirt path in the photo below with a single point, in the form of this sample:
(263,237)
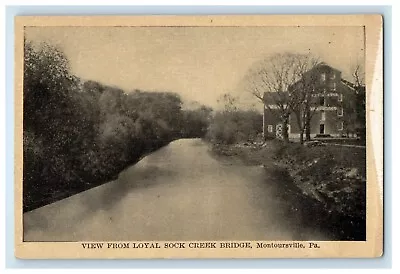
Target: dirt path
(179,192)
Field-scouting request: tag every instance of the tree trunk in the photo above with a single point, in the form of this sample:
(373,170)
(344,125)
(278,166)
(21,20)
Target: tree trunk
(308,125)
(301,137)
(285,130)
(300,125)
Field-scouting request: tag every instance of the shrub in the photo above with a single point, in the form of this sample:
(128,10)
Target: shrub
(229,127)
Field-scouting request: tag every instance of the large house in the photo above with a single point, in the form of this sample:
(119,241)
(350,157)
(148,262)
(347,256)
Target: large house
(329,95)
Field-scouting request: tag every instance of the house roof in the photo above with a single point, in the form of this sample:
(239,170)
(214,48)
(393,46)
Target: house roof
(351,85)
(348,83)
(274,97)
(320,66)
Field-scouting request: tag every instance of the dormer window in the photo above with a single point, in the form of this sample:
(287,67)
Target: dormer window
(333,76)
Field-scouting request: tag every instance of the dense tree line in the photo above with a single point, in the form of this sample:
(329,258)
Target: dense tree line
(80,134)
(232,125)
(235,127)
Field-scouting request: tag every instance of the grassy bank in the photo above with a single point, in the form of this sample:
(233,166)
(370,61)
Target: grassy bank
(324,186)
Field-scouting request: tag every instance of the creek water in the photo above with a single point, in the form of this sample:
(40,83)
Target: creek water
(180,192)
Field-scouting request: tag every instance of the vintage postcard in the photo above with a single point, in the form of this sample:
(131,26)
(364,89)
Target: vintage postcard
(199,136)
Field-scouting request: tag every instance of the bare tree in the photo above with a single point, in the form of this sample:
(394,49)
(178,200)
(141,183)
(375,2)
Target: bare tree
(281,78)
(359,75)
(304,105)
(360,98)
(354,104)
(228,102)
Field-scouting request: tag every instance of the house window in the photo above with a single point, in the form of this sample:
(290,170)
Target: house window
(323,77)
(340,99)
(322,101)
(340,112)
(340,126)
(270,128)
(323,115)
(333,75)
(334,86)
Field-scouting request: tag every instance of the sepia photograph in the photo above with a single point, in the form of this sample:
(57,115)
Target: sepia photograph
(185,136)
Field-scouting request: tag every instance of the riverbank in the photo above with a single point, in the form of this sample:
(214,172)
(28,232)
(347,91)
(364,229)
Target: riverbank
(50,193)
(325,186)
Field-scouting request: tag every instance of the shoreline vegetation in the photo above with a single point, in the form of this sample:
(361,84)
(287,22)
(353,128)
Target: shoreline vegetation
(64,191)
(324,187)
(80,134)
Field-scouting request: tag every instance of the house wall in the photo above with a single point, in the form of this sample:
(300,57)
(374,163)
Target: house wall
(327,85)
(330,123)
(294,127)
(270,118)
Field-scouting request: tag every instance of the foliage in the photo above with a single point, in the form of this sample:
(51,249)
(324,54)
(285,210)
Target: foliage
(195,122)
(80,134)
(229,127)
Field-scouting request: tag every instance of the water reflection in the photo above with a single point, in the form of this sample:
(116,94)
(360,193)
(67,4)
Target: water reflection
(179,192)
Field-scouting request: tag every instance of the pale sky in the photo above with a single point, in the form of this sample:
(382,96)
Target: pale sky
(199,63)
